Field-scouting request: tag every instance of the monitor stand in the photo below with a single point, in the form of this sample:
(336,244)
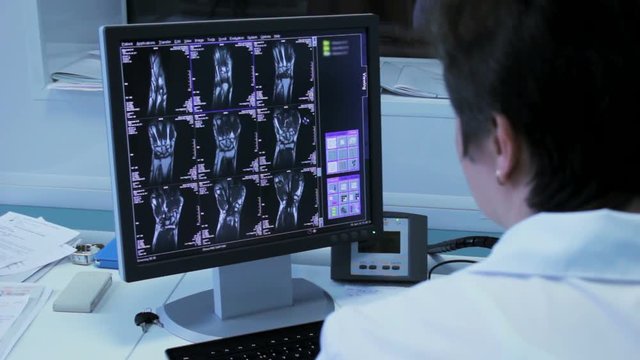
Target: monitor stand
(246,297)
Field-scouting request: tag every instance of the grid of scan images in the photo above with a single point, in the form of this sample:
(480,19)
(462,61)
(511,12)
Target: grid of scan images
(222,141)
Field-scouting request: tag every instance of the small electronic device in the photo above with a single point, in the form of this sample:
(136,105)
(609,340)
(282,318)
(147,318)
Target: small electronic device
(399,255)
(85,253)
(83,293)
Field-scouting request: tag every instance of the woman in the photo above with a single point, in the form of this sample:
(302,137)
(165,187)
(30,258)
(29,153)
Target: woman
(547,133)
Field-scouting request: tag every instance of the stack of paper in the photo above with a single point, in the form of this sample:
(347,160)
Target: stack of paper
(27,244)
(19,305)
(84,74)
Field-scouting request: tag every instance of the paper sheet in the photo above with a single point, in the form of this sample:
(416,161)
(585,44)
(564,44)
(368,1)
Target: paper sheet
(362,294)
(27,243)
(33,229)
(82,71)
(84,74)
(36,297)
(38,259)
(11,306)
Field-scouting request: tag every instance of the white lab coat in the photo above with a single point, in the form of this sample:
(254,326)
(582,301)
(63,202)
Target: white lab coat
(556,286)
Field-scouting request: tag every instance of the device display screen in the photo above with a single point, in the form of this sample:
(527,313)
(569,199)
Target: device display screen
(389,243)
(218,159)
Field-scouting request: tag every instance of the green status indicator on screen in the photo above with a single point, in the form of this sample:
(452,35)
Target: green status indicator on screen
(326,47)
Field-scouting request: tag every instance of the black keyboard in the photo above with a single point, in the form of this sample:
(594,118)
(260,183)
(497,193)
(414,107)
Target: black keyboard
(292,342)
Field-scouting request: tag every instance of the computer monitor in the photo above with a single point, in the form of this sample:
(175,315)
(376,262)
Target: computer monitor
(235,143)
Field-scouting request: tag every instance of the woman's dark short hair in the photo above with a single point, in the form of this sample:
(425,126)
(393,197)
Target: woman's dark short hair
(566,76)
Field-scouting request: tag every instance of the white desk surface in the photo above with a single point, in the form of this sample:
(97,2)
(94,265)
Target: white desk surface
(109,331)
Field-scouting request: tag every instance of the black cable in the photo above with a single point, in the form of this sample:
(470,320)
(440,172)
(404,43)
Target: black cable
(448,262)
(463,242)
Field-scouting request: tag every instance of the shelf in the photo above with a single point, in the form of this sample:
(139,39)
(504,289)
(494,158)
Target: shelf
(62,32)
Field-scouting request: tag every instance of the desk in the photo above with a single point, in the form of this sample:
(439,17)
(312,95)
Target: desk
(109,331)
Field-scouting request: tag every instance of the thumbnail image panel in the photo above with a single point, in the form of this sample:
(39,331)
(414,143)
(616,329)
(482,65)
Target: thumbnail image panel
(166,219)
(342,151)
(290,200)
(344,196)
(230,209)
(222,76)
(284,72)
(287,137)
(156,80)
(226,143)
(161,150)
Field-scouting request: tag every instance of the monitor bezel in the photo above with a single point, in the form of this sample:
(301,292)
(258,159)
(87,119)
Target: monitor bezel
(111,37)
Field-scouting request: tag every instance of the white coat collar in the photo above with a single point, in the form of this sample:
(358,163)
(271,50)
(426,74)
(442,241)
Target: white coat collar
(597,245)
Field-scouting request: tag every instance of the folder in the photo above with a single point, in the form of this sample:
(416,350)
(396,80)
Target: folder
(108,257)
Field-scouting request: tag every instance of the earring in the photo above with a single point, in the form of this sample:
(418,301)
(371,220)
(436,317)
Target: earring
(499,178)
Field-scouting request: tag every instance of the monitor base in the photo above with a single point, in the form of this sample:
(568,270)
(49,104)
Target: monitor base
(194,317)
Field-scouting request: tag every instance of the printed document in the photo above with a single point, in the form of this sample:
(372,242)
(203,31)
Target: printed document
(19,305)
(27,242)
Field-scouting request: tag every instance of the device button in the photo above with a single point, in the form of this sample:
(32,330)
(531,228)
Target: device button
(344,237)
(386,267)
(395,267)
(354,235)
(372,267)
(333,238)
(362,267)
(364,234)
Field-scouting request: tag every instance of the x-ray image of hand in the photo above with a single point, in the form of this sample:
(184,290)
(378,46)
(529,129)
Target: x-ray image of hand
(162,135)
(158,87)
(226,131)
(230,199)
(222,83)
(289,186)
(286,123)
(284,58)
(166,204)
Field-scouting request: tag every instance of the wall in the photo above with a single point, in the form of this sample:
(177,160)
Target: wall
(53,145)
(421,171)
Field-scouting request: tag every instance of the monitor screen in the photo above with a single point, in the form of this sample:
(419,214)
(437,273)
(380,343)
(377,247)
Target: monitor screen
(238,140)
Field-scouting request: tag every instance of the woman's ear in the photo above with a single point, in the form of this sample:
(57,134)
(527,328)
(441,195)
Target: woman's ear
(507,148)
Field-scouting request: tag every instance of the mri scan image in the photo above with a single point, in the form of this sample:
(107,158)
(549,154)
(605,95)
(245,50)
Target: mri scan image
(287,125)
(222,82)
(284,59)
(158,86)
(289,187)
(230,199)
(162,136)
(226,132)
(166,204)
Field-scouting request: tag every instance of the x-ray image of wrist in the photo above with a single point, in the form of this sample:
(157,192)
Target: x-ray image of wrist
(286,123)
(162,134)
(284,58)
(167,206)
(158,87)
(289,186)
(222,83)
(230,198)
(226,131)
